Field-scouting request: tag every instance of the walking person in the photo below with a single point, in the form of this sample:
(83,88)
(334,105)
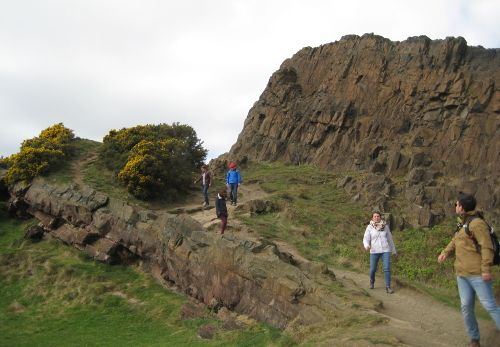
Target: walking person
(472,265)
(233,182)
(378,240)
(221,209)
(206,178)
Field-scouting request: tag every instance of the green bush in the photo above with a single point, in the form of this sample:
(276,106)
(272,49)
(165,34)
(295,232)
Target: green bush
(152,160)
(38,155)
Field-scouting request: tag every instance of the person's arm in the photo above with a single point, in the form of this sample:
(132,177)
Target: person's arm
(208,178)
(449,250)
(367,238)
(481,232)
(239,178)
(390,240)
(217,209)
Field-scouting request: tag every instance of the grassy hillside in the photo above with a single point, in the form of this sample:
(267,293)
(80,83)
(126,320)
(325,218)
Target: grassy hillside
(309,212)
(52,294)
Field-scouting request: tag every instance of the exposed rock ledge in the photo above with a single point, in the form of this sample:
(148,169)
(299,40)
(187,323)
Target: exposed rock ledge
(248,277)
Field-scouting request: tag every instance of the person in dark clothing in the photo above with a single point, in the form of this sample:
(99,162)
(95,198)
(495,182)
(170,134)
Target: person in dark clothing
(206,178)
(221,209)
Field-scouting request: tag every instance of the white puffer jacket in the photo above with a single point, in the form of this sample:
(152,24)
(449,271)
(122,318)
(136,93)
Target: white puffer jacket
(379,241)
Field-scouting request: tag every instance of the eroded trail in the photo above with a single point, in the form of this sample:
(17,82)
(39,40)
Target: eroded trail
(416,319)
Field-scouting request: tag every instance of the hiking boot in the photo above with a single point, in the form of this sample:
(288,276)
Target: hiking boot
(371,286)
(205,203)
(388,290)
(474,343)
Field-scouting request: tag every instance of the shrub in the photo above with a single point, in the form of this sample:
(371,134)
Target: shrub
(39,154)
(153,159)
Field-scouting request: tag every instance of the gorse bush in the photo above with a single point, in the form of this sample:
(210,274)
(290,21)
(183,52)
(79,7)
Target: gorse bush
(39,154)
(156,167)
(152,160)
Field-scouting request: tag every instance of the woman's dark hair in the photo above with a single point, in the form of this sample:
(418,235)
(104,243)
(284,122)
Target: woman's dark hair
(468,202)
(377,212)
(223,192)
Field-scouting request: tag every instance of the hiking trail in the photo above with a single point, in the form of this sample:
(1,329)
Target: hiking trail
(415,318)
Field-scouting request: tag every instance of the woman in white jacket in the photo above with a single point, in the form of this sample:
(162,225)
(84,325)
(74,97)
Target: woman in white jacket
(378,239)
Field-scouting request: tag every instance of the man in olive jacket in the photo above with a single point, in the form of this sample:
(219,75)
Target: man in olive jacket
(472,265)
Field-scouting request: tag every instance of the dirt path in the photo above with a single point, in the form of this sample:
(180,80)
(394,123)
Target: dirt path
(418,319)
(414,318)
(77,168)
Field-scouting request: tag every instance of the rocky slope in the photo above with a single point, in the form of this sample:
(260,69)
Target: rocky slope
(420,118)
(245,276)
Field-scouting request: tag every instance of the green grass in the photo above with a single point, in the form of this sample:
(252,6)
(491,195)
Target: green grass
(309,212)
(62,173)
(53,295)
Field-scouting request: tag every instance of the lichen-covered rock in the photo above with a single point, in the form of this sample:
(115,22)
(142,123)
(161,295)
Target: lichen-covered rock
(389,108)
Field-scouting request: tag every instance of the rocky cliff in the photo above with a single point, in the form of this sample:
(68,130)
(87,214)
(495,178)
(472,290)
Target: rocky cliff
(421,118)
(246,277)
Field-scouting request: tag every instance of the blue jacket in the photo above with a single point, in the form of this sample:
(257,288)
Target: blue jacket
(233,176)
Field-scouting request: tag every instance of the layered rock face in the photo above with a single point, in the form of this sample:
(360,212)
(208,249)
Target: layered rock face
(244,276)
(423,112)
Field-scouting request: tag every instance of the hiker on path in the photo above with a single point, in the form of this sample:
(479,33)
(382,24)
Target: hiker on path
(472,265)
(378,240)
(233,181)
(221,209)
(206,178)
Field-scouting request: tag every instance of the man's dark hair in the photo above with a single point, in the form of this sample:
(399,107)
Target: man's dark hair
(204,167)
(468,202)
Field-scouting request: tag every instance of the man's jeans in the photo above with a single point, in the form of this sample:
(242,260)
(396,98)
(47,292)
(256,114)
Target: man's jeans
(204,190)
(467,288)
(233,192)
(386,258)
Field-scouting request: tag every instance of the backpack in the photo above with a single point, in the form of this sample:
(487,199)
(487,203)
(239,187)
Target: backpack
(493,236)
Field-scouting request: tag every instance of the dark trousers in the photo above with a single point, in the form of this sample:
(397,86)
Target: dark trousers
(223,219)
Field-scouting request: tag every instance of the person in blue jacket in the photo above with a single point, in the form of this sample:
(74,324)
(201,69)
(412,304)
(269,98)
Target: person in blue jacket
(233,181)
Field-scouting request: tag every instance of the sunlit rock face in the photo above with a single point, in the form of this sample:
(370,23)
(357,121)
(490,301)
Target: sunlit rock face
(423,112)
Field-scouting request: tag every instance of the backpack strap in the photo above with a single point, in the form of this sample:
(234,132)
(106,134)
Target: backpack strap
(469,234)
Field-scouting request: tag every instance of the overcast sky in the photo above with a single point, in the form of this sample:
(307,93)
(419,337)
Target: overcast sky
(97,65)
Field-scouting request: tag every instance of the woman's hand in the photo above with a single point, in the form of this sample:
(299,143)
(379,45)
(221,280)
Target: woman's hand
(367,247)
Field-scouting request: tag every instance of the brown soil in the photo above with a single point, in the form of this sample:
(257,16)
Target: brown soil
(77,168)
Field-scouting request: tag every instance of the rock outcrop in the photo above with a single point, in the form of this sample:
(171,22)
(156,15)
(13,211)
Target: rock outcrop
(243,276)
(424,113)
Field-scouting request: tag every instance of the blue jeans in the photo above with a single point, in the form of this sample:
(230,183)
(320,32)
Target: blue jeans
(204,190)
(233,192)
(467,288)
(386,259)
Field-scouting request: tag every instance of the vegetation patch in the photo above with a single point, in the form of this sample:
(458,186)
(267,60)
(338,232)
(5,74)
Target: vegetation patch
(54,295)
